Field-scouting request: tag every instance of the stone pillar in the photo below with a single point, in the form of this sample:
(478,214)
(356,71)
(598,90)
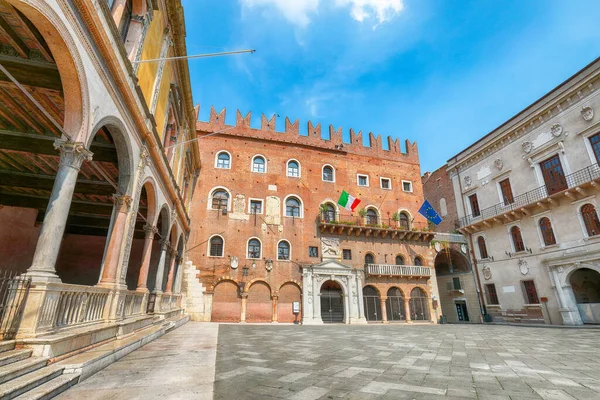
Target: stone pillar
(383,300)
(164,245)
(274,309)
(174,259)
(146,256)
(407,310)
(72,155)
(113,250)
(243,314)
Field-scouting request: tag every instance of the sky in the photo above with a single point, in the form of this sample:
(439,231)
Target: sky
(443,73)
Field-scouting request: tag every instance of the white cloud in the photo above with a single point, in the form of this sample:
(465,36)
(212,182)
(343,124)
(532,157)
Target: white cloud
(298,11)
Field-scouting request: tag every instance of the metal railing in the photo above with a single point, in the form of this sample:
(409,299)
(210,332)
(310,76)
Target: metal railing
(575,179)
(397,270)
(14,290)
(328,217)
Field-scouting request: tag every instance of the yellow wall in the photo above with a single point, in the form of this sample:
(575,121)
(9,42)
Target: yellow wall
(160,114)
(151,49)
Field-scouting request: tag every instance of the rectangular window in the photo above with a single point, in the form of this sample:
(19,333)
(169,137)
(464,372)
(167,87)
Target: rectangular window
(347,254)
(474,205)
(456,283)
(595,142)
(386,183)
(363,180)
(407,186)
(492,296)
(554,176)
(256,207)
(531,296)
(507,194)
(313,251)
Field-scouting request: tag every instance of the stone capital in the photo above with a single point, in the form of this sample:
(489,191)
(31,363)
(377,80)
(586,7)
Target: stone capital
(122,202)
(164,244)
(172,252)
(150,231)
(72,154)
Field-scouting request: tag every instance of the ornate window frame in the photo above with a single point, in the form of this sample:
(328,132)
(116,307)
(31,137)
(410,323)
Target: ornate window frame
(332,171)
(217,159)
(252,164)
(210,197)
(209,245)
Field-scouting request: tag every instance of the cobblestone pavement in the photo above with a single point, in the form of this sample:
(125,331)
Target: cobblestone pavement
(406,362)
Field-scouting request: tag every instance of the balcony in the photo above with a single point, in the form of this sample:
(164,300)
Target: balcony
(571,186)
(397,270)
(332,223)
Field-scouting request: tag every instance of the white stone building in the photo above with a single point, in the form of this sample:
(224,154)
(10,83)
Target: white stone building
(528,199)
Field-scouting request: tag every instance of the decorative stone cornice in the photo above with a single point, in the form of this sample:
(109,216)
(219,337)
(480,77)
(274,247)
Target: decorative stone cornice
(72,154)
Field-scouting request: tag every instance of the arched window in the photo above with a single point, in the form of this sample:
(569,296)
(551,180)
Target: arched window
(292,207)
(371,217)
(482,248)
(590,219)
(328,212)
(418,261)
(404,221)
(419,305)
(216,246)
(515,233)
(259,164)
(283,250)
(547,232)
(369,258)
(223,160)
(254,248)
(399,260)
(328,173)
(293,169)
(220,200)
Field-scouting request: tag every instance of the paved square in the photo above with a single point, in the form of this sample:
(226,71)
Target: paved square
(406,362)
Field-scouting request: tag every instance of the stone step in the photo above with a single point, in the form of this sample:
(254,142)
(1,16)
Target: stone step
(51,388)
(20,368)
(23,384)
(12,356)
(7,345)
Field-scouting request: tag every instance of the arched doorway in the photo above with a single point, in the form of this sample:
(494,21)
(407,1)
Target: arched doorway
(158,249)
(226,304)
(455,280)
(419,305)
(332,302)
(396,311)
(585,283)
(372,304)
(259,307)
(288,294)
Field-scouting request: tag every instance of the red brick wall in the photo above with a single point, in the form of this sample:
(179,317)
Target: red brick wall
(227,305)
(259,306)
(287,295)
(438,185)
(18,238)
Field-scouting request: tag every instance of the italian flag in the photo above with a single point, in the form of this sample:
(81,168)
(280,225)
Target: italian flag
(347,201)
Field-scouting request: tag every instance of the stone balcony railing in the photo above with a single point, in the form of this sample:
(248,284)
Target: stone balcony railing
(397,270)
(571,186)
(170,302)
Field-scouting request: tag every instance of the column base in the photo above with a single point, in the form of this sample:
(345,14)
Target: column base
(40,276)
(358,321)
(571,317)
(311,321)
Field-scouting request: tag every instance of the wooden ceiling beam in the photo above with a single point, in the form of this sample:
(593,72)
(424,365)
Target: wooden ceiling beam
(41,203)
(46,182)
(13,38)
(28,26)
(32,73)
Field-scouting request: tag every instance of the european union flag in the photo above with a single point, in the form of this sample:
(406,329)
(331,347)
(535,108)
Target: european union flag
(429,212)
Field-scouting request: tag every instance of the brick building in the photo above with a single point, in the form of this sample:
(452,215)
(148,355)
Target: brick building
(269,232)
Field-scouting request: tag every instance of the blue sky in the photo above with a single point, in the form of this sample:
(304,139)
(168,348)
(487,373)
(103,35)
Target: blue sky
(441,72)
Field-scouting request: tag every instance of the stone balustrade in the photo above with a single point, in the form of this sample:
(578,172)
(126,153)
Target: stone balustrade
(170,302)
(134,304)
(397,270)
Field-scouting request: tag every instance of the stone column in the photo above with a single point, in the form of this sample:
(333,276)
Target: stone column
(72,155)
(407,310)
(146,256)
(174,259)
(164,245)
(113,250)
(274,309)
(243,314)
(383,300)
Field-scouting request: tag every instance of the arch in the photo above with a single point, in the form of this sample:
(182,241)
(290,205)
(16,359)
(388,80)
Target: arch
(220,203)
(395,304)
(372,303)
(449,261)
(372,215)
(254,253)
(329,210)
(400,259)
(419,304)
(288,293)
(149,186)
(223,159)
(585,283)
(482,247)
(258,166)
(404,218)
(163,226)
(295,208)
(293,168)
(216,249)
(332,301)
(517,239)
(259,307)
(418,261)
(284,250)
(369,258)
(165,220)
(226,302)
(547,232)
(590,219)
(328,173)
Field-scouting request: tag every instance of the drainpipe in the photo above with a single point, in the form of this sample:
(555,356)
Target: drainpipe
(476,277)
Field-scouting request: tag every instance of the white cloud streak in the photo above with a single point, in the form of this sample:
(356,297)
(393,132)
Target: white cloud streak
(299,12)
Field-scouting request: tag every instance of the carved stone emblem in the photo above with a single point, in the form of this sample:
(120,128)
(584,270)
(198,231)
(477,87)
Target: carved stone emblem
(438,247)
(487,272)
(556,130)
(587,113)
(330,247)
(234,262)
(468,181)
(527,147)
(523,267)
(463,248)
(498,163)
